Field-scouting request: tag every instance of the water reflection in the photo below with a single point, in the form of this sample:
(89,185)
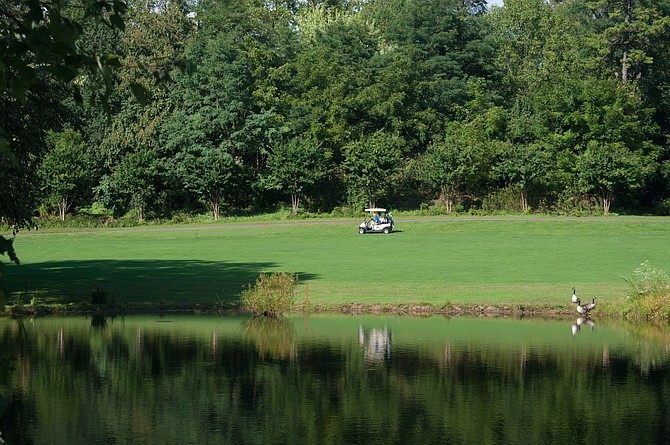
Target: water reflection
(240,380)
(98,321)
(577,325)
(273,337)
(376,344)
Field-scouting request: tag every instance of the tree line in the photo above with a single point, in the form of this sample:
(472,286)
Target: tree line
(334,105)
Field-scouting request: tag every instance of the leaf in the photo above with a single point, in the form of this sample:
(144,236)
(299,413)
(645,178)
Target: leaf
(65,33)
(6,246)
(62,72)
(140,92)
(111,60)
(117,22)
(78,98)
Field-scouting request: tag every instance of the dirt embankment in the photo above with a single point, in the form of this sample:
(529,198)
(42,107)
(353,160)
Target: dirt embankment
(413,310)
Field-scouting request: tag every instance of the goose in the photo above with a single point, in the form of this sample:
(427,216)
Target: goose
(591,305)
(582,309)
(574,295)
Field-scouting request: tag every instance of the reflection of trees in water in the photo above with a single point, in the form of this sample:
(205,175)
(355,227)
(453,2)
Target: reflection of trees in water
(272,337)
(376,343)
(130,383)
(6,366)
(653,344)
(98,321)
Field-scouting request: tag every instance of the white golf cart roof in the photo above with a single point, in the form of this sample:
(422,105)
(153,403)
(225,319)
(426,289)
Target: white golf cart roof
(375,209)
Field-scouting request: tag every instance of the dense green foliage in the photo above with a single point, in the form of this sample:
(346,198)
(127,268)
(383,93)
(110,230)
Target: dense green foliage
(64,174)
(648,294)
(553,106)
(272,294)
(44,62)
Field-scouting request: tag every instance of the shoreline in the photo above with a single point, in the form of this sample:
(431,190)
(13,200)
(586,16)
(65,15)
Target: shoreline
(410,310)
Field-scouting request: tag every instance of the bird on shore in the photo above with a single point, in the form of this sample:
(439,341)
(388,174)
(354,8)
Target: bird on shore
(574,295)
(582,309)
(591,305)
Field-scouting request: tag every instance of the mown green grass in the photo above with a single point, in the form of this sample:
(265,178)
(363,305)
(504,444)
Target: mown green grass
(457,261)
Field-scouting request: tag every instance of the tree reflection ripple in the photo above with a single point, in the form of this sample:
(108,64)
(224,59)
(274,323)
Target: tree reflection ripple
(318,379)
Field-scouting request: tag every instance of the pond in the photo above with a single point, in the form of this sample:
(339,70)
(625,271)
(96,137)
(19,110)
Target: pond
(332,379)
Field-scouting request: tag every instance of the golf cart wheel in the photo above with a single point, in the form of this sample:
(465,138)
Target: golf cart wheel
(361,231)
(386,230)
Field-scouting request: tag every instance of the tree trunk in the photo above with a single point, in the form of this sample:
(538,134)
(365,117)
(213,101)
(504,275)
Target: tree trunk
(140,212)
(214,204)
(448,196)
(624,65)
(607,202)
(295,201)
(524,200)
(63,207)
(628,12)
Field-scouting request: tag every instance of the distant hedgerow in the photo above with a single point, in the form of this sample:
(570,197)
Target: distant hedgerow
(272,295)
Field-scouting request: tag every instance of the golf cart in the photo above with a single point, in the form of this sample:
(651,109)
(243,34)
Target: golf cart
(379,221)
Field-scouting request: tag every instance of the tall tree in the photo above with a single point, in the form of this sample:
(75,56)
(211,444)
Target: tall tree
(524,166)
(370,167)
(460,163)
(42,36)
(132,184)
(524,158)
(295,165)
(614,120)
(40,54)
(65,172)
(331,70)
(214,111)
(429,50)
(629,29)
(155,37)
(210,173)
(610,168)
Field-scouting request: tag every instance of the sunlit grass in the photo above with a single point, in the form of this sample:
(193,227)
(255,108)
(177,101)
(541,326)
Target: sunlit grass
(455,261)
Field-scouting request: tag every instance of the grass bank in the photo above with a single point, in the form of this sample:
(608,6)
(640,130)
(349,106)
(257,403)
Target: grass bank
(446,263)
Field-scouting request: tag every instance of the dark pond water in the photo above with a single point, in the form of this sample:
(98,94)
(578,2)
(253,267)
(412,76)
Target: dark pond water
(332,379)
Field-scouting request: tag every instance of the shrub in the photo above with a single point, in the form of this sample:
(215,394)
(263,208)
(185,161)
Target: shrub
(663,208)
(646,281)
(272,295)
(648,294)
(344,211)
(570,202)
(505,200)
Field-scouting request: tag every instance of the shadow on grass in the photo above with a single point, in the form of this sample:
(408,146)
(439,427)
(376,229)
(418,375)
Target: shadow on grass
(135,281)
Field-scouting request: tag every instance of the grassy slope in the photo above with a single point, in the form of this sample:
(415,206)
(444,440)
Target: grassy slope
(457,261)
